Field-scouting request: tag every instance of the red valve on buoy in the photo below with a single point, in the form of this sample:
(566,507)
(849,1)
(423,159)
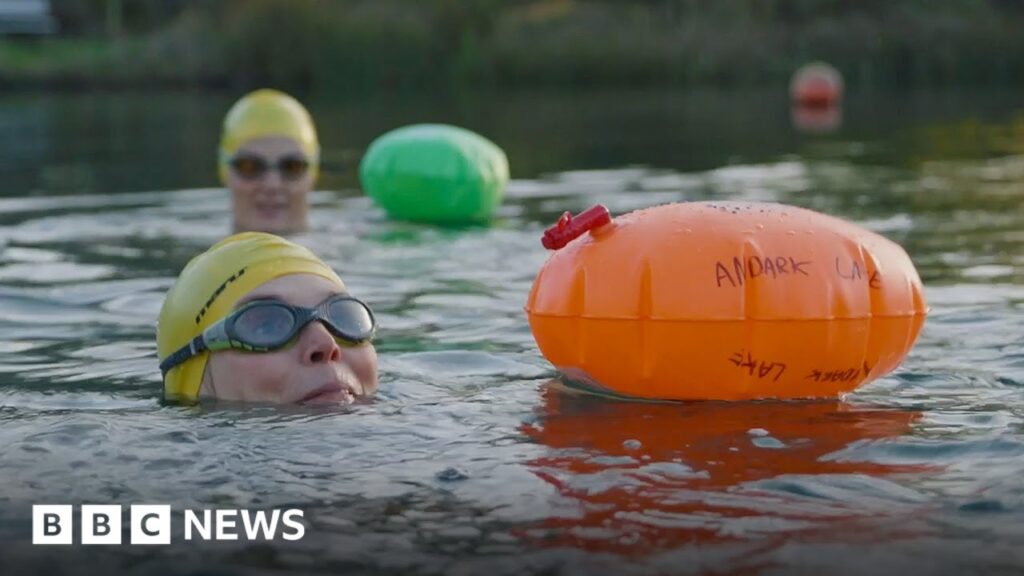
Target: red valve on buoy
(569,227)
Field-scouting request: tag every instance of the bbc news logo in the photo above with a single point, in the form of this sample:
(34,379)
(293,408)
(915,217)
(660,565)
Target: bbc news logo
(151,524)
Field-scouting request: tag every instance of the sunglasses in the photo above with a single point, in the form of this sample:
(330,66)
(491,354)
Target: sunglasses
(254,167)
(268,325)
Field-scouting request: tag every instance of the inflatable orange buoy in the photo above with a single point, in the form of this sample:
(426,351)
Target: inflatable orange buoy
(816,85)
(724,301)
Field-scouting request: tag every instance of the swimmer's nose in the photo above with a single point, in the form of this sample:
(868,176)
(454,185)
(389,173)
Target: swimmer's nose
(272,179)
(317,345)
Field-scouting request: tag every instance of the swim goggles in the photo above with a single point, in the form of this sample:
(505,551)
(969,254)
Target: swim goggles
(251,167)
(267,325)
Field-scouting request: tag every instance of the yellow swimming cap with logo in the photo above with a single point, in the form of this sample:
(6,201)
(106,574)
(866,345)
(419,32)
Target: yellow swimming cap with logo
(264,113)
(208,288)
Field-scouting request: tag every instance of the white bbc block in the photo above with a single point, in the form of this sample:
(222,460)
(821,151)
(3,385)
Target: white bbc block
(151,524)
(101,524)
(51,523)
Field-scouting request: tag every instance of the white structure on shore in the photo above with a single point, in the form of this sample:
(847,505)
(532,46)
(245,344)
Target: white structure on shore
(26,17)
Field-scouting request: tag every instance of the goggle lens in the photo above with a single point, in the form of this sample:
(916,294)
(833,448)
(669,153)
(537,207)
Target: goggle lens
(265,326)
(350,319)
(292,168)
(249,167)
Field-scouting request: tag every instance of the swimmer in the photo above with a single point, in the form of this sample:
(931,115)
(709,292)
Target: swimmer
(269,159)
(257,318)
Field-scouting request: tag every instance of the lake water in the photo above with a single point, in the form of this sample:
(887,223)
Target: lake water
(469,460)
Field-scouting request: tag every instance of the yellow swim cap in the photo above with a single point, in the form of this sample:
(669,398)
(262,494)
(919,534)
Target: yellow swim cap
(264,113)
(209,286)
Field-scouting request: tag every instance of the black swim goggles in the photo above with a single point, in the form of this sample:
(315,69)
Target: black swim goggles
(267,325)
(251,167)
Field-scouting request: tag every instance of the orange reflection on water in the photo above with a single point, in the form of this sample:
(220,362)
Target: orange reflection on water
(633,477)
(816,119)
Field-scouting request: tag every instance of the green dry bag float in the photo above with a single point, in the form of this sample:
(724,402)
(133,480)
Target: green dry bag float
(435,173)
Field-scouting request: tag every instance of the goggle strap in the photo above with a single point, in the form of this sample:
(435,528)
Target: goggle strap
(196,346)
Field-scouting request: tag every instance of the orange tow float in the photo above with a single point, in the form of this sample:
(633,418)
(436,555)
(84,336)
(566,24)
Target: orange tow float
(816,85)
(723,301)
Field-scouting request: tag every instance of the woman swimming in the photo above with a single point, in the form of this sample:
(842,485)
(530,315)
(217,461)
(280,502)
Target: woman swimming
(257,318)
(269,159)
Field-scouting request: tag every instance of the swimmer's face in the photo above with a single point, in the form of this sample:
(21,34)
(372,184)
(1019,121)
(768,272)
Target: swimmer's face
(269,179)
(314,369)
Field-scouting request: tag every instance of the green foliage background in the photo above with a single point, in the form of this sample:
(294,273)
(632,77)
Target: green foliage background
(358,45)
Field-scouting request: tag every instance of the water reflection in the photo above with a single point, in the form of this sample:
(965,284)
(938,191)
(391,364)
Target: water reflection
(634,478)
(816,120)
